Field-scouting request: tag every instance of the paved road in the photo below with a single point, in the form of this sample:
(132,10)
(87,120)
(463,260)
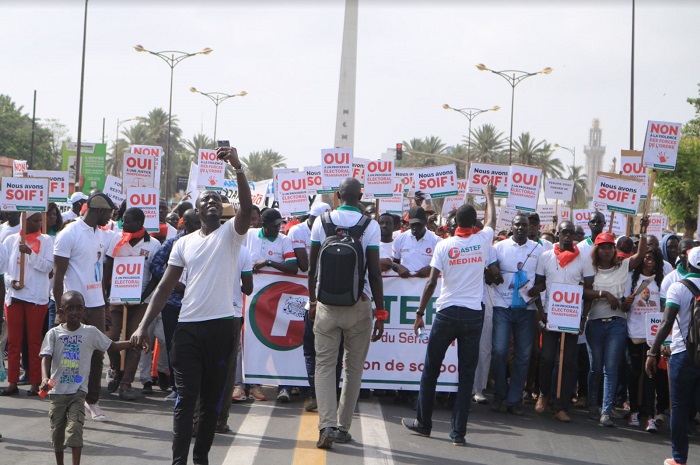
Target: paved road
(268,433)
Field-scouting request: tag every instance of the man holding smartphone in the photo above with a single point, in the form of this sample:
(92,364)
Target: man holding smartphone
(202,344)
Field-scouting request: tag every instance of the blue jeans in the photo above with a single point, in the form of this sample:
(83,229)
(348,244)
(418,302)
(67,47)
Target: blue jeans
(685,394)
(521,325)
(606,346)
(451,323)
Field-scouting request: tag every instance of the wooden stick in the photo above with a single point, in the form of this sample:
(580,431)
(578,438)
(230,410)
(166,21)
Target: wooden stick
(123,337)
(336,200)
(22,241)
(376,208)
(640,385)
(612,220)
(561,364)
(556,214)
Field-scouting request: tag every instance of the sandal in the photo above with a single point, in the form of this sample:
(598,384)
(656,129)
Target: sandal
(9,392)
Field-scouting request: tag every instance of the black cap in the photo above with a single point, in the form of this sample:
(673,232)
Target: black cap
(100,200)
(417,215)
(271,216)
(534,217)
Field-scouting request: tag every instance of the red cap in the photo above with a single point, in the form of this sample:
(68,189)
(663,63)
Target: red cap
(605,238)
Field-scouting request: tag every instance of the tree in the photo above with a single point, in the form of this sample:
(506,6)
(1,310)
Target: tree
(532,153)
(198,141)
(580,185)
(259,165)
(488,145)
(692,127)
(679,189)
(429,145)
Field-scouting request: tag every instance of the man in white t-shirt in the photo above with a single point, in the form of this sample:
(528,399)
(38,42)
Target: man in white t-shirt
(534,233)
(685,376)
(77,200)
(413,249)
(596,224)
(681,270)
(203,342)
(386,228)
(352,323)
(79,252)
(270,249)
(513,316)
(564,264)
(461,260)
(300,235)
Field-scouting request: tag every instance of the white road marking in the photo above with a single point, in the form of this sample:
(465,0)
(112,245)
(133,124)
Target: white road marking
(375,439)
(249,436)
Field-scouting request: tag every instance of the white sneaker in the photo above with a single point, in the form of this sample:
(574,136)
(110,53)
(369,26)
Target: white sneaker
(110,375)
(95,412)
(633,419)
(659,419)
(479,398)
(651,426)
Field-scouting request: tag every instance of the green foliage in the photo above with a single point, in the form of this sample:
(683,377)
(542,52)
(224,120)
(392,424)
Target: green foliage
(16,136)
(259,165)
(678,190)
(692,127)
(580,185)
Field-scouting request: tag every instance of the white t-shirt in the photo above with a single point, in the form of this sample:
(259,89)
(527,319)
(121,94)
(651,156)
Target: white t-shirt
(261,248)
(680,297)
(612,280)
(573,273)
(414,254)
(300,235)
(142,248)
(171,231)
(243,266)
(586,248)
(84,247)
(385,250)
(4,258)
(511,257)
(210,281)
(68,216)
(461,262)
(649,301)
(8,230)
(672,277)
(668,268)
(546,245)
(37,267)
(346,216)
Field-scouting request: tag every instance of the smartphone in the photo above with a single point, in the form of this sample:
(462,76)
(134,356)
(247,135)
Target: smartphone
(222,143)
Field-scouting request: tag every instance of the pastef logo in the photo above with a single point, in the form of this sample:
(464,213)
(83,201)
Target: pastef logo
(276,315)
(428,251)
(453,253)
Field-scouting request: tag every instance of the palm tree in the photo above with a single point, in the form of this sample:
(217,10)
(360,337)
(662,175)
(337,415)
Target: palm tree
(459,151)
(532,153)
(113,163)
(137,134)
(580,185)
(551,168)
(157,124)
(430,144)
(488,145)
(259,165)
(198,141)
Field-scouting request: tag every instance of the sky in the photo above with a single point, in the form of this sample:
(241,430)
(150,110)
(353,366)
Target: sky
(413,56)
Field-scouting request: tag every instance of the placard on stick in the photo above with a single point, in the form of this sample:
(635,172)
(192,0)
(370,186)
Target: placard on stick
(652,323)
(524,187)
(617,193)
(564,308)
(481,173)
(25,194)
(632,165)
(58,183)
(145,198)
(336,165)
(661,145)
(127,280)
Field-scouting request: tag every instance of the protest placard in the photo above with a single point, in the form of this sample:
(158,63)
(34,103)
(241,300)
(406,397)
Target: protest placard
(154,151)
(192,188)
(524,187)
(481,173)
(617,193)
(292,196)
(619,223)
(145,198)
(113,189)
(393,205)
(25,194)
(212,171)
(127,280)
(505,218)
(336,165)
(657,225)
(652,323)
(438,181)
(581,217)
(454,202)
(379,178)
(314,181)
(559,189)
(564,307)
(138,170)
(631,165)
(58,183)
(407,176)
(18,168)
(358,169)
(546,213)
(661,145)
(275,177)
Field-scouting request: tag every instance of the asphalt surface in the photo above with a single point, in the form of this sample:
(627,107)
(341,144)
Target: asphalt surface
(272,433)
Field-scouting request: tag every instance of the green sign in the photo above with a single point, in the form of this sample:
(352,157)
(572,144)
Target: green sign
(92,165)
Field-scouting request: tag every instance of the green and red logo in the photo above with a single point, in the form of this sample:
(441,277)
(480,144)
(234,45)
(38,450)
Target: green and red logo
(276,315)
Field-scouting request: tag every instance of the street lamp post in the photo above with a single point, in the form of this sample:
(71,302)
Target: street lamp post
(172,58)
(217,98)
(470,114)
(513,77)
(116,140)
(571,151)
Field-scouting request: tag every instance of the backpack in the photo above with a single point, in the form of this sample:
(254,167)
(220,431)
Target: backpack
(341,263)
(692,339)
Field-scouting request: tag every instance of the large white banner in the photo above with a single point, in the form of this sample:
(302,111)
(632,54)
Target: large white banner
(274,329)
(258,192)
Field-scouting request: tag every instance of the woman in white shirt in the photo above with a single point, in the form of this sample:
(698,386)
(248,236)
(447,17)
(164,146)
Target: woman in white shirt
(643,296)
(27,303)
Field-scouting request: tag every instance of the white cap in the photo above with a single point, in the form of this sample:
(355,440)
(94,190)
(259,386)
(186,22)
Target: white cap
(694,257)
(319,209)
(78,196)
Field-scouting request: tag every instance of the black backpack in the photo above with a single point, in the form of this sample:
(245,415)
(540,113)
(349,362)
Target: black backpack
(341,263)
(692,339)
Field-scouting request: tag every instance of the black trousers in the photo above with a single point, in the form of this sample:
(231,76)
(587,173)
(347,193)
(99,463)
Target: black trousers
(200,356)
(549,355)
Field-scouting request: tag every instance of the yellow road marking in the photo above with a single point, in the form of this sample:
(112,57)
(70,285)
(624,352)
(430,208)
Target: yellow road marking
(306,452)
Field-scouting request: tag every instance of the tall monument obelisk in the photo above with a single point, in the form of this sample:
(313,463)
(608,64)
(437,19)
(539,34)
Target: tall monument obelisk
(345,119)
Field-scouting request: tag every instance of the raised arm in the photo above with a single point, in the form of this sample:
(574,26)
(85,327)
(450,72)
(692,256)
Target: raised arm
(242,220)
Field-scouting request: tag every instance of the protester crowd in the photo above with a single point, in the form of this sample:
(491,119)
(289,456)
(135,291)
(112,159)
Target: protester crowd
(493,303)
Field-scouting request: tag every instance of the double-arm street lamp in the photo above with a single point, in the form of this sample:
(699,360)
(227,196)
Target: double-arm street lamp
(172,58)
(513,77)
(217,98)
(571,151)
(116,141)
(470,114)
